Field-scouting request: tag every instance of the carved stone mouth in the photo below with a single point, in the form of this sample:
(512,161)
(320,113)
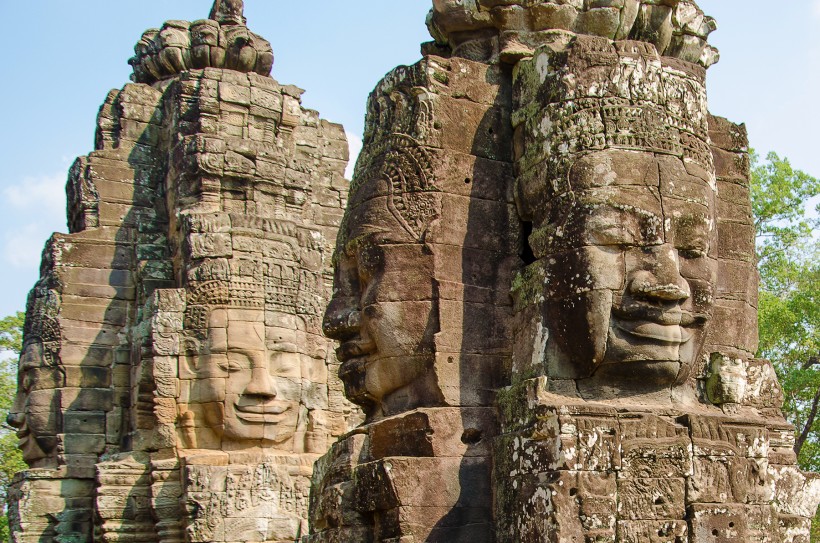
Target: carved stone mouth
(658,315)
(259,412)
(354,349)
(673,334)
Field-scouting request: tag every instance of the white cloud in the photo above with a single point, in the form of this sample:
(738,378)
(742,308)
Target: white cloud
(815,8)
(354,142)
(44,194)
(24,246)
(30,211)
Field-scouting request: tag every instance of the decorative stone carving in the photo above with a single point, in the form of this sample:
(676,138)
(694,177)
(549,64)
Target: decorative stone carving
(629,417)
(221,41)
(622,203)
(634,411)
(404,242)
(544,299)
(421,309)
(175,385)
(487,29)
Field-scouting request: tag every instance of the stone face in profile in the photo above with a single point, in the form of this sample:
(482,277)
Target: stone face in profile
(35,409)
(405,243)
(383,311)
(421,309)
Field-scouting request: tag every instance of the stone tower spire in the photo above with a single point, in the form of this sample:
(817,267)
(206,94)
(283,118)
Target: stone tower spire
(228,12)
(222,41)
(201,227)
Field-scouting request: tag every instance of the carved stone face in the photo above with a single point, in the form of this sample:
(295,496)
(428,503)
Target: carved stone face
(35,409)
(383,312)
(630,271)
(249,383)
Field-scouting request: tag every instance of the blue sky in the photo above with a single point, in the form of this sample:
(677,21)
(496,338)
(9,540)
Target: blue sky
(63,57)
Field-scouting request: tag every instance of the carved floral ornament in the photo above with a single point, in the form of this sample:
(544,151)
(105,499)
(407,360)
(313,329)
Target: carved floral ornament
(222,41)
(405,168)
(677,28)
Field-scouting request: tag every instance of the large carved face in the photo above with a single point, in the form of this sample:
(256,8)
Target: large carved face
(383,311)
(248,382)
(36,405)
(629,262)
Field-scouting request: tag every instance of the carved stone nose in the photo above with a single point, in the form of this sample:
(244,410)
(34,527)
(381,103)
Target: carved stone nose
(342,319)
(261,384)
(663,281)
(15,420)
(666,293)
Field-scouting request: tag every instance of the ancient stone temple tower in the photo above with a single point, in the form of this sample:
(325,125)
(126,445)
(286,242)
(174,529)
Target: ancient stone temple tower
(174,382)
(544,298)
(545,294)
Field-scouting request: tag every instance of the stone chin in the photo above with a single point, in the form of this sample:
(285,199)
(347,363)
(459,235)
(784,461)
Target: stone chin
(33,449)
(383,386)
(649,356)
(270,425)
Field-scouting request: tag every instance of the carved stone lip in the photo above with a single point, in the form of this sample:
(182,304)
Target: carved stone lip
(674,334)
(645,313)
(355,348)
(275,408)
(351,368)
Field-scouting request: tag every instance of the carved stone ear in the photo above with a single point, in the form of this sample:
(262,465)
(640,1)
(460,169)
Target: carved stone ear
(187,425)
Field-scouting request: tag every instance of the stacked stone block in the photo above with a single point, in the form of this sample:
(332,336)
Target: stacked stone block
(428,230)
(690,448)
(202,228)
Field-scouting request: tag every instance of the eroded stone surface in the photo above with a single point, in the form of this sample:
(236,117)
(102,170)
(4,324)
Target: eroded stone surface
(635,411)
(544,299)
(175,384)
(633,365)
(512,29)
(421,309)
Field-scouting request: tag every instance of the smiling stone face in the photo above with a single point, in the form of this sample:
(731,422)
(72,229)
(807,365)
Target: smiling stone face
(383,311)
(618,186)
(627,254)
(249,383)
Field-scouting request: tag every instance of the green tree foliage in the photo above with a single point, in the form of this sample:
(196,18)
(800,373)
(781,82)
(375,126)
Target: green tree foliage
(11,459)
(11,332)
(788,250)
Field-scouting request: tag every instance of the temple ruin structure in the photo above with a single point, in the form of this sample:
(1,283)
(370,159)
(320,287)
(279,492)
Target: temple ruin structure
(530,317)
(174,383)
(627,403)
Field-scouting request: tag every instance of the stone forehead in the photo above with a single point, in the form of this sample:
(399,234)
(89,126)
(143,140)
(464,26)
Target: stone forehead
(612,168)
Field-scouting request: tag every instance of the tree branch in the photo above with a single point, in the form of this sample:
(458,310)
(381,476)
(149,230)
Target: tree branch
(798,445)
(812,361)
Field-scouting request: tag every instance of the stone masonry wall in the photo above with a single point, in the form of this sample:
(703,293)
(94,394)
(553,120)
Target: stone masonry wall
(174,383)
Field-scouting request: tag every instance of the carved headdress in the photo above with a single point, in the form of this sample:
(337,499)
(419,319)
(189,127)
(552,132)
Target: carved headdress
(514,29)
(222,41)
(42,325)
